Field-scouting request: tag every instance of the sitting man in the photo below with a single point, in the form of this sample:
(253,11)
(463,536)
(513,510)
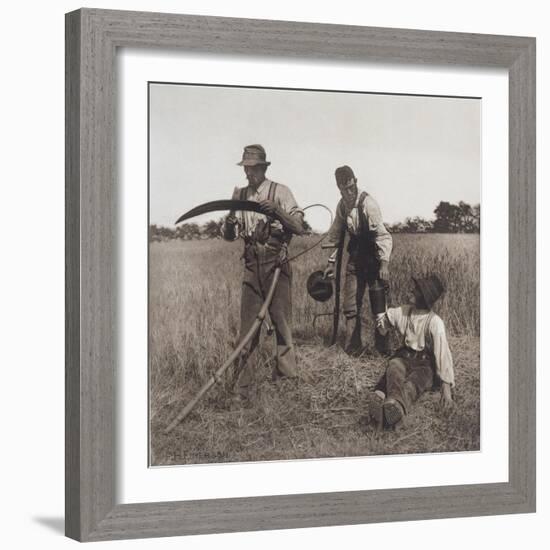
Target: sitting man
(423,360)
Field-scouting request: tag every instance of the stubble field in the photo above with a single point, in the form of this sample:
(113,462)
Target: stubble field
(194,300)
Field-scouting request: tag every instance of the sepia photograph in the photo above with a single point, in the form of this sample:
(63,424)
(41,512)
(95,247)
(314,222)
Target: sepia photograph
(313,274)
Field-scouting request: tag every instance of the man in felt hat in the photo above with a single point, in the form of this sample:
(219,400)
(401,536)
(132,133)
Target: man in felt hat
(424,359)
(265,245)
(369,248)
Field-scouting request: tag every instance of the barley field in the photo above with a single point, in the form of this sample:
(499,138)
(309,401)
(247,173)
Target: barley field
(194,300)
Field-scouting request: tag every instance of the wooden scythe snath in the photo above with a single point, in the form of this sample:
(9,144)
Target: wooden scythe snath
(337,280)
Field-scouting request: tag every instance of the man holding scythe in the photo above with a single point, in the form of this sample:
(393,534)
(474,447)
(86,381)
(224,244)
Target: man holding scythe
(266,242)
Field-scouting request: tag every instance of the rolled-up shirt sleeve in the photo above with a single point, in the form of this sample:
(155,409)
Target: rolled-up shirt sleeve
(286,201)
(383,239)
(442,353)
(338,226)
(389,319)
(336,230)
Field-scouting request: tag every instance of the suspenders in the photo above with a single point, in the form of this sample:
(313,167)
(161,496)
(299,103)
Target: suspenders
(270,194)
(361,211)
(365,238)
(427,328)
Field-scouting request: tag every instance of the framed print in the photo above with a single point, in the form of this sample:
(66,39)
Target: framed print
(175,424)
(325,384)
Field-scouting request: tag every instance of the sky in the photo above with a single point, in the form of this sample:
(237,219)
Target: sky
(408,152)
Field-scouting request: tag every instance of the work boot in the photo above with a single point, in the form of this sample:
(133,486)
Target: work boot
(375,402)
(393,412)
(285,365)
(353,345)
(242,386)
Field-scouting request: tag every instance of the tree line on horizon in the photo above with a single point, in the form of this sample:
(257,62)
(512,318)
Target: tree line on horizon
(449,218)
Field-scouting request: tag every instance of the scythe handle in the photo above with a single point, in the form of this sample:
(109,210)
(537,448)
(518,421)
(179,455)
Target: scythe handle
(337,281)
(216,376)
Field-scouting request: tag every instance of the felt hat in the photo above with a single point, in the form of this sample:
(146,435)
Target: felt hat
(431,289)
(318,287)
(253,155)
(343,175)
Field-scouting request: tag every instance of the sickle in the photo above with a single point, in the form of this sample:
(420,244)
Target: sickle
(215,206)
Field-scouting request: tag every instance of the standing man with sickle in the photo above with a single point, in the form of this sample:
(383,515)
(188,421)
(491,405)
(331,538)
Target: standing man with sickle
(369,249)
(265,244)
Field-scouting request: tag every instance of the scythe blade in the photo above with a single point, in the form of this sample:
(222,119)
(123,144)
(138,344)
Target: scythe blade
(215,206)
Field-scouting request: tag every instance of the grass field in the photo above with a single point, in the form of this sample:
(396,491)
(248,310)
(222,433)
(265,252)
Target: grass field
(194,322)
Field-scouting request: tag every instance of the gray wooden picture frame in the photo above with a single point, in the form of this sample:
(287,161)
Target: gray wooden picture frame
(92,39)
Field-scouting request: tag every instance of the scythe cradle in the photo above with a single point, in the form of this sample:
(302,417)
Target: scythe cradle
(92,38)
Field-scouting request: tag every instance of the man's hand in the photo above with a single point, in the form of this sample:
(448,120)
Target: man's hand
(328,273)
(229,228)
(268,207)
(384,272)
(446,401)
(293,223)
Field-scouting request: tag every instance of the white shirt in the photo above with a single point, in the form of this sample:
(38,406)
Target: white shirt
(349,219)
(414,324)
(283,198)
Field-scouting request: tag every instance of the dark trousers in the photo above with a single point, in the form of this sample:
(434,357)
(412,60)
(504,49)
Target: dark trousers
(408,375)
(361,272)
(260,262)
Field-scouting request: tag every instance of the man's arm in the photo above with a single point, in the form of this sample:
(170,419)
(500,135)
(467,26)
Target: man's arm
(292,222)
(287,210)
(334,236)
(338,226)
(383,239)
(388,320)
(443,361)
(446,399)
